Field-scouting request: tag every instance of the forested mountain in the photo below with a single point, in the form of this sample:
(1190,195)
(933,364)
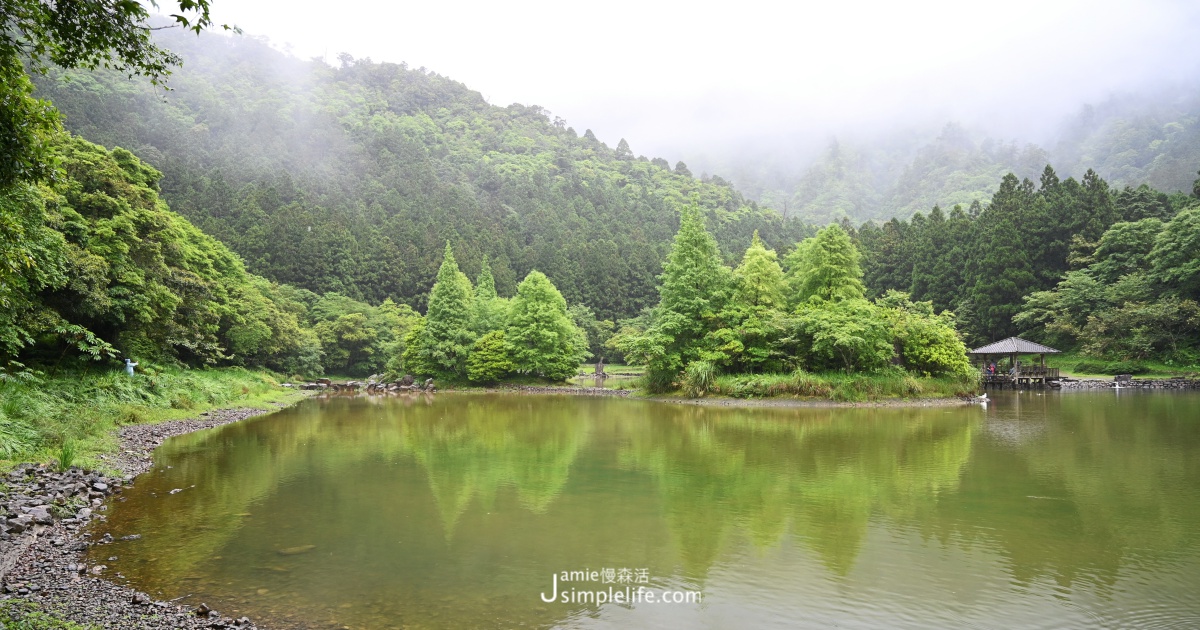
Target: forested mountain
(1129,140)
(352,179)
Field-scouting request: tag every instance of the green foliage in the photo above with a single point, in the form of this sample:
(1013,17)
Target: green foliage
(1134,300)
(489,361)
(849,334)
(1176,254)
(350,179)
(488,310)
(96,265)
(927,342)
(27,126)
(598,332)
(826,267)
(699,378)
(66,455)
(67,417)
(542,338)
(20,614)
(753,317)
(447,337)
(79,34)
(841,386)
(695,286)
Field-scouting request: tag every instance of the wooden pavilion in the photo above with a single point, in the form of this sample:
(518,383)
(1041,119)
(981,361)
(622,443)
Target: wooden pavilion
(1017,375)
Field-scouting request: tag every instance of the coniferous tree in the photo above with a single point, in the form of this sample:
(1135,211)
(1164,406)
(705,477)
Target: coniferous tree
(825,268)
(693,292)
(753,315)
(488,310)
(542,339)
(446,336)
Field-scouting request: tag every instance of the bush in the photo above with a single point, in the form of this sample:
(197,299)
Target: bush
(490,359)
(699,378)
(1090,367)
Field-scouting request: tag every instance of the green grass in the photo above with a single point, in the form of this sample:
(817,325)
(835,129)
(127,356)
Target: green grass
(71,417)
(17,614)
(613,369)
(838,386)
(1079,365)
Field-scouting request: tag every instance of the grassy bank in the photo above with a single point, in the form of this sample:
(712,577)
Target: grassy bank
(1075,364)
(72,416)
(835,386)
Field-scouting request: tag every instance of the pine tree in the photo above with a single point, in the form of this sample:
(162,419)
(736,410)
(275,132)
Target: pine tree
(825,267)
(542,339)
(488,310)
(447,337)
(759,279)
(755,310)
(694,289)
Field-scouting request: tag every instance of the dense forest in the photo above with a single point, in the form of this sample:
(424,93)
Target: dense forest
(1072,263)
(352,178)
(1130,140)
(330,217)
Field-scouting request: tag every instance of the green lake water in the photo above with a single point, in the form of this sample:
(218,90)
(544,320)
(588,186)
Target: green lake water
(1074,510)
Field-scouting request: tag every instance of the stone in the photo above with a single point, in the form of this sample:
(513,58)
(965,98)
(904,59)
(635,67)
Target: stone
(41,515)
(20,523)
(100,486)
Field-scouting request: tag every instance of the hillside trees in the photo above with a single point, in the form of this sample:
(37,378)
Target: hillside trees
(286,162)
(1136,299)
(83,34)
(96,264)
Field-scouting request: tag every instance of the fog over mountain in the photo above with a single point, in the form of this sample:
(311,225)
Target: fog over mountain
(762,78)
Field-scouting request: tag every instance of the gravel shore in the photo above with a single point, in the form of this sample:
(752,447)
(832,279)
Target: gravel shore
(44,532)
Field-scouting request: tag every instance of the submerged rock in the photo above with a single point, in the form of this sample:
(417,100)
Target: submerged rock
(292,551)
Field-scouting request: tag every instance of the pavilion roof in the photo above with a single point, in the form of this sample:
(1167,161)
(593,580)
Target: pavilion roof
(1014,345)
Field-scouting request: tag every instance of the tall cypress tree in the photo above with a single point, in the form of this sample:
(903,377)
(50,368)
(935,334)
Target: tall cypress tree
(756,307)
(447,336)
(694,289)
(543,340)
(488,309)
(825,267)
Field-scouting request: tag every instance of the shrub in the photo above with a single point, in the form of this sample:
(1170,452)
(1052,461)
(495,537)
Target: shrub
(699,378)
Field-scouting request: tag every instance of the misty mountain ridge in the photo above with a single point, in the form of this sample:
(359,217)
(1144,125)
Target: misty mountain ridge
(351,178)
(1129,139)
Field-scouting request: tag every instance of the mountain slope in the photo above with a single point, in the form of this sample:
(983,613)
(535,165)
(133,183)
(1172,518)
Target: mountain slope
(352,179)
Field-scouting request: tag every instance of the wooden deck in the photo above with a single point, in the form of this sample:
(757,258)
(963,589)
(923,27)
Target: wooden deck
(1027,378)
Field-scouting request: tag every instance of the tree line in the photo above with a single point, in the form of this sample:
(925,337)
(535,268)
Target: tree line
(809,314)
(1071,263)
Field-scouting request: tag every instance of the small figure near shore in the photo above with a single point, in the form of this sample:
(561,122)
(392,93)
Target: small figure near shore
(600,368)
(129,365)
(429,385)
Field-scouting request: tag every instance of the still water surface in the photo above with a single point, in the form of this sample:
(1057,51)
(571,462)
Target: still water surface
(1076,510)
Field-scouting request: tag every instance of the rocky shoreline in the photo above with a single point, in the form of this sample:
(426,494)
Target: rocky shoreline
(44,534)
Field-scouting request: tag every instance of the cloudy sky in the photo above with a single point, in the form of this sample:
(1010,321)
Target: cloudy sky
(676,78)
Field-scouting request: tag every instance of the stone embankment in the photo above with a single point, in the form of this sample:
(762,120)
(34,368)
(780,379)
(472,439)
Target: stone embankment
(48,520)
(1130,383)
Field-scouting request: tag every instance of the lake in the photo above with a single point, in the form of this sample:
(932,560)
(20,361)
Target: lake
(1044,510)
